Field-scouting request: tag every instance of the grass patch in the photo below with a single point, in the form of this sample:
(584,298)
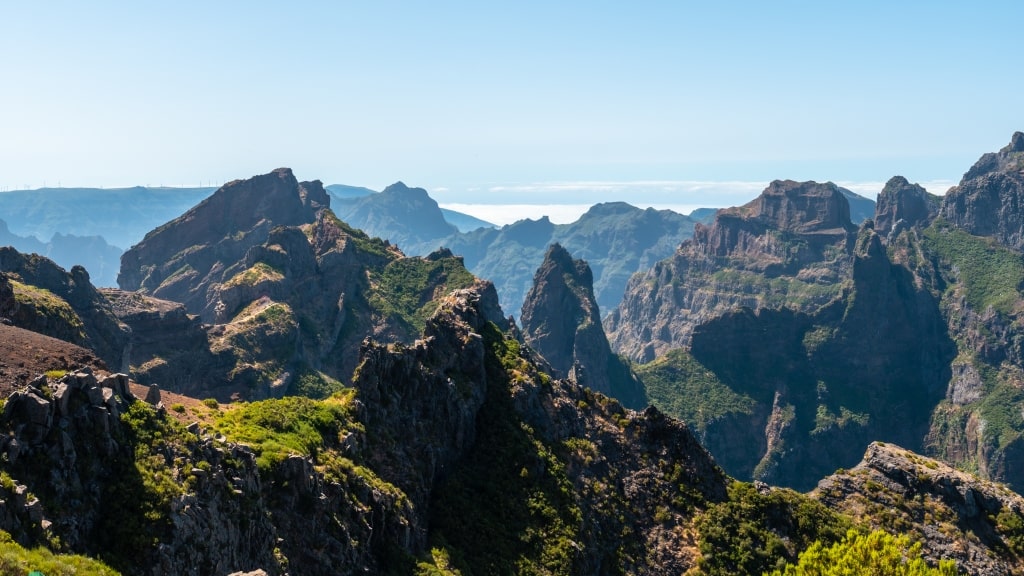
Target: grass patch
(259,272)
(407,288)
(275,429)
(17,560)
(990,273)
(682,387)
(49,306)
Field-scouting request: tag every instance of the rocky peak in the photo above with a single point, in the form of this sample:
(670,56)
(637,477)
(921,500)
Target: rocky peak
(902,204)
(803,207)
(406,216)
(893,487)
(237,216)
(989,201)
(818,212)
(561,320)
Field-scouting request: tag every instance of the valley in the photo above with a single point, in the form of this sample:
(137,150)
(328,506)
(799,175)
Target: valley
(300,379)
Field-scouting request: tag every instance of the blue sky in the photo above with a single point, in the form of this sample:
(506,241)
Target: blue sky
(479,102)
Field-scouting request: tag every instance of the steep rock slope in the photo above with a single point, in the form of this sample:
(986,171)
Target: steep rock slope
(561,320)
(181,259)
(288,290)
(793,244)
(372,485)
(61,304)
(989,201)
(902,205)
(922,328)
(955,515)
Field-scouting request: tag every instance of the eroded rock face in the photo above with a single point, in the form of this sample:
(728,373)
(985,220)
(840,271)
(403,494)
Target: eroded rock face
(791,245)
(895,488)
(561,320)
(181,259)
(902,205)
(989,201)
(421,412)
(63,305)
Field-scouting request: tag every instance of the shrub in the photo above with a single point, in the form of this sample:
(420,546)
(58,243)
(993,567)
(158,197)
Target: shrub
(878,553)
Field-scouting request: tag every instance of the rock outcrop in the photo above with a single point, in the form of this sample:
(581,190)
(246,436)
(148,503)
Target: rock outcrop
(793,245)
(903,205)
(562,321)
(111,476)
(285,290)
(64,305)
(182,259)
(989,200)
(955,515)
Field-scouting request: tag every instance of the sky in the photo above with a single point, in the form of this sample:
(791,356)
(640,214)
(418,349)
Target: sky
(658,103)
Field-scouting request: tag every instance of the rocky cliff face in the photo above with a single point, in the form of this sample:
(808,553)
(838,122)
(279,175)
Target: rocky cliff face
(65,305)
(181,259)
(792,244)
(903,205)
(288,291)
(972,521)
(989,201)
(561,320)
(108,475)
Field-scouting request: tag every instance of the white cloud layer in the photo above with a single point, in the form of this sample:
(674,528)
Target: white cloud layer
(565,202)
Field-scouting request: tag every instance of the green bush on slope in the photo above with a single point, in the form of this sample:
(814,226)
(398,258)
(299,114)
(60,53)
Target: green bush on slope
(17,560)
(876,554)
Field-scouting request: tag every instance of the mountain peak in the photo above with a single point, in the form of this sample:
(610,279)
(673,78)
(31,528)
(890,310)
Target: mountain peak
(901,204)
(988,199)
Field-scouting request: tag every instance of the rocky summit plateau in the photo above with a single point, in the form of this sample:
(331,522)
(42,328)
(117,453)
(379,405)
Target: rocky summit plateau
(271,390)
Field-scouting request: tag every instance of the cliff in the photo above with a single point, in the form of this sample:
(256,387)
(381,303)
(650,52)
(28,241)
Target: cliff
(988,199)
(971,521)
(793,244)
(562,321)
(49,300)
(285,291)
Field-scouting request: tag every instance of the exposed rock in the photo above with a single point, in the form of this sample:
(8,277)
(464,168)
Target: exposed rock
(964,518)
(63,305)
(217,233)
(615,238)
(561,320)
(902,205)
(797,236)
(989,201)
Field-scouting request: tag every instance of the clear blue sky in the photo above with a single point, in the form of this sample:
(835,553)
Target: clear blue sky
(459,95)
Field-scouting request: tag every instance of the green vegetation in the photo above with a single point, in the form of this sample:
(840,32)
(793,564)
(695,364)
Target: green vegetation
(141,491)
(876,554)
(364,243)
(276,429)
(752,533)
(259,272)
(55,374)
(510,508)
(778,291)
(407,288)
(50,307)
(317,385)
(682,387)
(17,560)
(990,274)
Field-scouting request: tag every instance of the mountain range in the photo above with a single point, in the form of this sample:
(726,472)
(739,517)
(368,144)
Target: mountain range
(272,390)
